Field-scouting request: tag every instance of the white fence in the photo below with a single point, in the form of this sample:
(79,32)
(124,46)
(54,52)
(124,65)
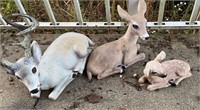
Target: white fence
(160,24)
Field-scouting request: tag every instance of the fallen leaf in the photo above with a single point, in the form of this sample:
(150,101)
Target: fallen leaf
(93,98)
(121,108)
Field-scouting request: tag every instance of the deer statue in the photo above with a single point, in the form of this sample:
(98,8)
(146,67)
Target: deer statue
(59,65)
(113,57)
(165,74)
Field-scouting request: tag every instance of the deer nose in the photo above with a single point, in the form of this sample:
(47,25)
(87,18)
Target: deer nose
(146,38)
(34,91)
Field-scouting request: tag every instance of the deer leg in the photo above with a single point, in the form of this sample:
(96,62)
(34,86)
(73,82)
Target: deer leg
(155,86)
(110,72)
(142,79)
(177,81)
(81,65)
(60,87)
(134,59)
(82,50)
(89,74)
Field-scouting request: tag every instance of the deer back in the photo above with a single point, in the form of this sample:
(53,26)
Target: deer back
(62,56)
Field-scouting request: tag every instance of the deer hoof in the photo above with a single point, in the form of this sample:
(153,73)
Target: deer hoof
(172,82)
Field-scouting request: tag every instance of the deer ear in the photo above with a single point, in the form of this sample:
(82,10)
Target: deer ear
(142,6)
(160,56)
(36,51)
(11,68)
(123,14)
(9,71)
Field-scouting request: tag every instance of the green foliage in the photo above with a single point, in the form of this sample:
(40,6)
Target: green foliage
(8,7)
(94,10)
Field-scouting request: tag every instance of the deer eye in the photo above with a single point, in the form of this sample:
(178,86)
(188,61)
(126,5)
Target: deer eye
(154,72)
(135,26)
(18,77)
(34,70)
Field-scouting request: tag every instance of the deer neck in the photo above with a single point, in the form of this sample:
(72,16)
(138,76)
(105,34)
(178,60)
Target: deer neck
(45,80)
(129,36)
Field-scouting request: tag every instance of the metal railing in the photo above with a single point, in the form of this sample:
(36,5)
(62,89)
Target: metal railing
(160,24)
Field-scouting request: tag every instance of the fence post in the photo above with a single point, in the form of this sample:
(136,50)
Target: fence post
(107,6)
(161,11)
(22,10)
(78,11)
(2,20)
(49,11)
(132,6)
(195,12)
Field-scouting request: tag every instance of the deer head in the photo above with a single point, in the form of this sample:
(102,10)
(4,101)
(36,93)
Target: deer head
(154,66)
(136,22)
(25,69)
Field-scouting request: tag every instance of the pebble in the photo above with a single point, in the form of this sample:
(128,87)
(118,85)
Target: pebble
(120,76)
(11,79)
(134,75)
(1,91)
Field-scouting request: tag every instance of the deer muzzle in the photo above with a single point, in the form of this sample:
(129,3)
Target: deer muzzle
(34,91)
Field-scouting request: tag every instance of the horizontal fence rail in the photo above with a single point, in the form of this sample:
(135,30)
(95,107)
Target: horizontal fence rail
(160,24)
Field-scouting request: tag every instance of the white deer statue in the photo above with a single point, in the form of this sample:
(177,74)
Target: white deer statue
(60,63)
(113,57)
(165,74)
